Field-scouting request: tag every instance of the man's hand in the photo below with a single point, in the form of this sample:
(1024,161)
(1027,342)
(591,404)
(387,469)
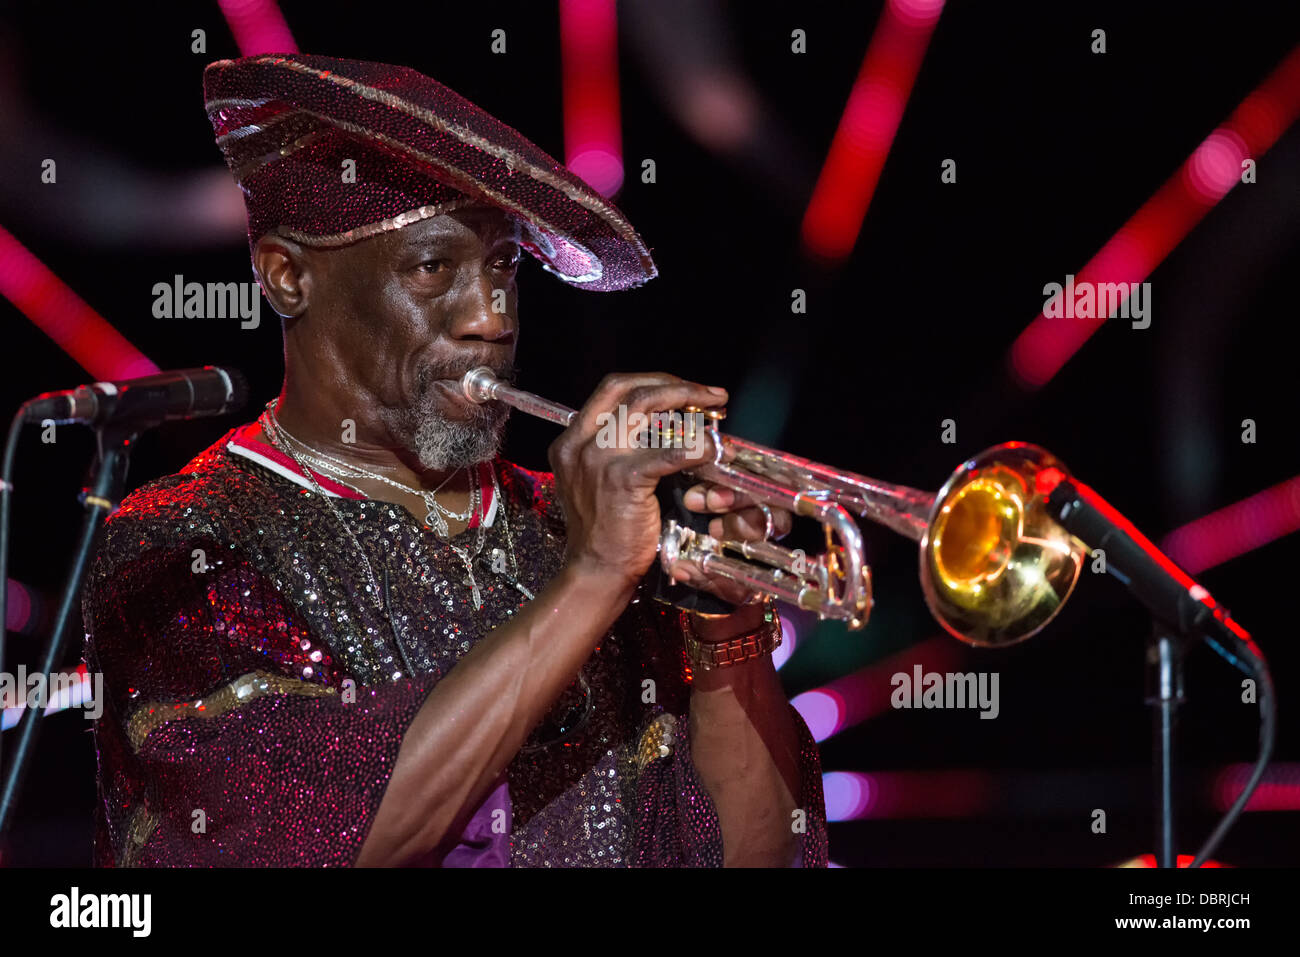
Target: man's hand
(608,494)
(741,520)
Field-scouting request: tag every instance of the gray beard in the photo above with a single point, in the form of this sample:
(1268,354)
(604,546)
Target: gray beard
(440,443)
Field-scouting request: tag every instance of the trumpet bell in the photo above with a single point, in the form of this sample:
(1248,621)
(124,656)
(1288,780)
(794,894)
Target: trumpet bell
(995,567)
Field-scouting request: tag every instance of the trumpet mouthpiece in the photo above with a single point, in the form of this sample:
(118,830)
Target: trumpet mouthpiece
(477,384)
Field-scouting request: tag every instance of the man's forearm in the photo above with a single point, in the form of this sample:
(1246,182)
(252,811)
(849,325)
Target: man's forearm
(745,745)
(479,715)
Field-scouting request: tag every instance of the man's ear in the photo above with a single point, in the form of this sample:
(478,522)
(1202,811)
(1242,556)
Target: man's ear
(282,268)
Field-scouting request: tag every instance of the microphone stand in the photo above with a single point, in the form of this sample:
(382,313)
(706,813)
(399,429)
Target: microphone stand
(1165,652)
(104,489)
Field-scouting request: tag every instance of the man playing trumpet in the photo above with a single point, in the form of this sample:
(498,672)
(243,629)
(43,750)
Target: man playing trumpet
(350,633)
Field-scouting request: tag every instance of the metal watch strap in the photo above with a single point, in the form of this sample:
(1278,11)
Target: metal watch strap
(708,655)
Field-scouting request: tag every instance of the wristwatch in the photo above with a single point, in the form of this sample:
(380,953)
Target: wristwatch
(707,655)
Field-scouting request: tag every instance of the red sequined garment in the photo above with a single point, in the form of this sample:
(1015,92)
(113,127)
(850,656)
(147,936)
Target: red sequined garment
(258,689)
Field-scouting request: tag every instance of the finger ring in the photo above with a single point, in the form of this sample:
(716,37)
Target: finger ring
(771,525)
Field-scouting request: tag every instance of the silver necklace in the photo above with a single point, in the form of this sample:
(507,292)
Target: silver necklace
(272,433)
(342,469)
(278,435)
(437,515)
(498,557)
(462,552)
(270,426)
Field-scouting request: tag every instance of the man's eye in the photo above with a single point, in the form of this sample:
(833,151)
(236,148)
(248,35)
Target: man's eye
(509,261)
(432,266)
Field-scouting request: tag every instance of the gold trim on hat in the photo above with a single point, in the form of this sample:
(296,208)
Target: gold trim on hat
(238,102)
(373,229)
(251,166)
(148,718)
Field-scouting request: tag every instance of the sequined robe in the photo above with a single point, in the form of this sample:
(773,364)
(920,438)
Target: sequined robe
(257,694)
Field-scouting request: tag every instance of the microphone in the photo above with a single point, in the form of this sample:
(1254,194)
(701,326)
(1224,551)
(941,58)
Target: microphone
(1176,602)
(1168,592)
(146,401)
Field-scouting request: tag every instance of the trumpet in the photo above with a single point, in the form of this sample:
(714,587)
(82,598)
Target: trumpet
(995,567)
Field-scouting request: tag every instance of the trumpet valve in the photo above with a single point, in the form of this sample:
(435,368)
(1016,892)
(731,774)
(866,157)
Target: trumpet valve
(679,542)
(670,544)
(715,415)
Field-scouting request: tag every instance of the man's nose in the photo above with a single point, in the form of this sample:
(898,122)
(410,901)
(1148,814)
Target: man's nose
(485,314)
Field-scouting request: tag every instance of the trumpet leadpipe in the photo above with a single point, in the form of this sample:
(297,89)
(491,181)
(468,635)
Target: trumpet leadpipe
(481,385)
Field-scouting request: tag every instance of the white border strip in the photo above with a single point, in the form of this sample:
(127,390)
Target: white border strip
(277,468)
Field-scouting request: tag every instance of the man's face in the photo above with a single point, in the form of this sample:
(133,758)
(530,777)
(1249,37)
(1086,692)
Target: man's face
(409,312)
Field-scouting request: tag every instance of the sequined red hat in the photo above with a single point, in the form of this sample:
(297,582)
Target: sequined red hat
(286,124)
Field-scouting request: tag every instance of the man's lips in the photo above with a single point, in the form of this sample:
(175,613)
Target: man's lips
(453,388)
(504,375)
(455,391)
(444,381)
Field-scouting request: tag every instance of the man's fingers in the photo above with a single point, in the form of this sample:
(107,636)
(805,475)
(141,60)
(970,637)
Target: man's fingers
(708,497)
(750,524)
(656,463)
(651,416)
(744,519)
(672,397)
(688,573)
(607,395)
(644,393)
